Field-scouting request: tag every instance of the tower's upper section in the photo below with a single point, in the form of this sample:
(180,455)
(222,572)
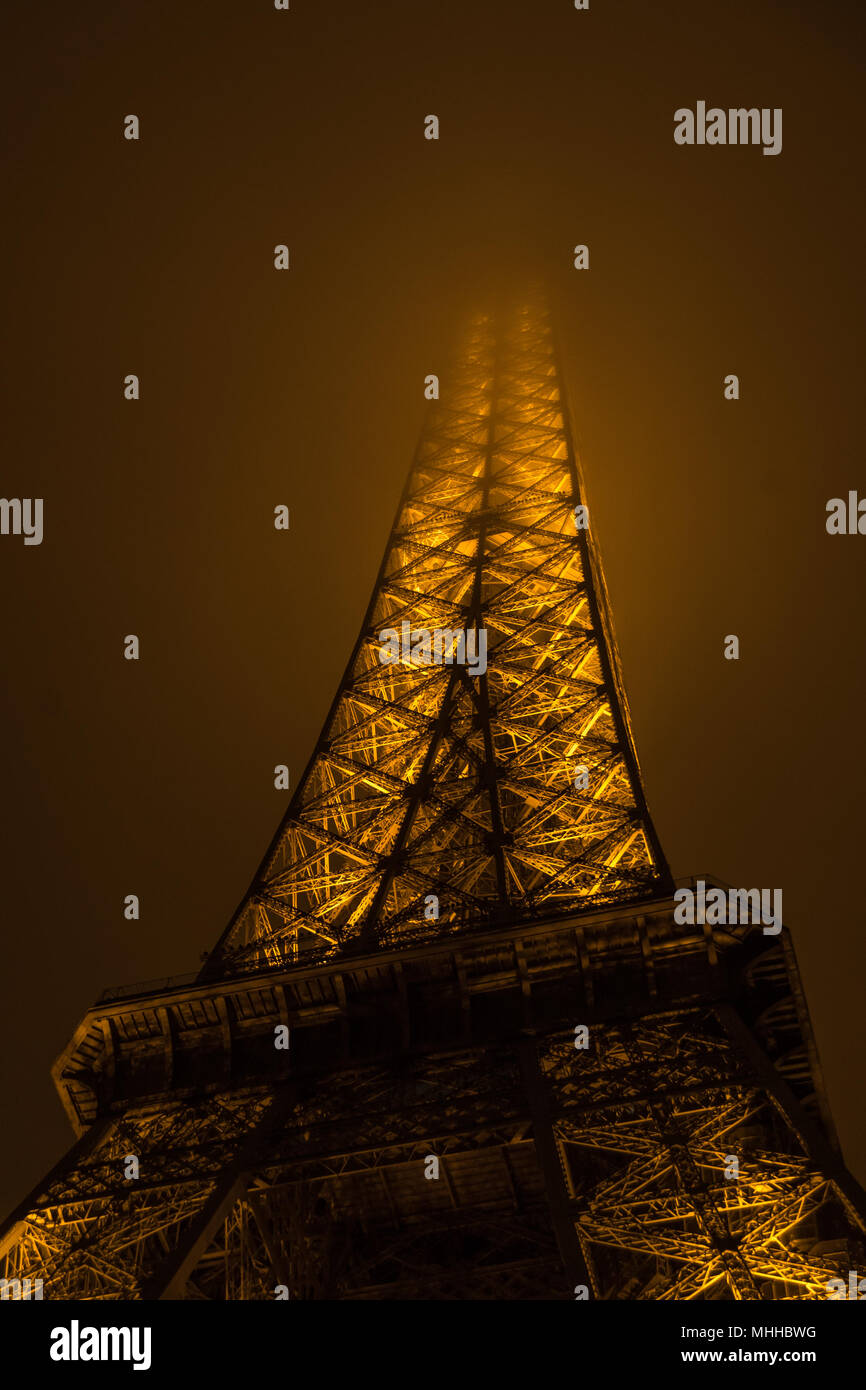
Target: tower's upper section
(477,766)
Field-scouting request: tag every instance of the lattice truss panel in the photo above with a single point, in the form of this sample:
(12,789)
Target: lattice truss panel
(93,1232)
(324,1191)
(323,1194)
(352,1196)
(429,780)
(648,1120)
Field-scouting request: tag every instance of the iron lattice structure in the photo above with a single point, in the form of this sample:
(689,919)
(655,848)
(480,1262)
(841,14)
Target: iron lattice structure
(433,1131)
(429,780)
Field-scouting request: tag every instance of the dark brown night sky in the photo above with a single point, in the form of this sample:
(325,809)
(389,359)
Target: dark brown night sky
(305,388)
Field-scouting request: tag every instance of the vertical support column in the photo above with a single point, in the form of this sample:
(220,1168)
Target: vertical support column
(169,1279)
(550,1163)
(498,835)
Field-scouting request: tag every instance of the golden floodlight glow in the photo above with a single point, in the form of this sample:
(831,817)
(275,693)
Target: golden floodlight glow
(432,781)
(618,1104)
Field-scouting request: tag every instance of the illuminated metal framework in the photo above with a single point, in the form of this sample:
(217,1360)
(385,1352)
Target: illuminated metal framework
(433,1131)
(429,780)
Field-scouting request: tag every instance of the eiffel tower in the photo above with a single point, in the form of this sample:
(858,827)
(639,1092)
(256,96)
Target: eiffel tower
(511,1072)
